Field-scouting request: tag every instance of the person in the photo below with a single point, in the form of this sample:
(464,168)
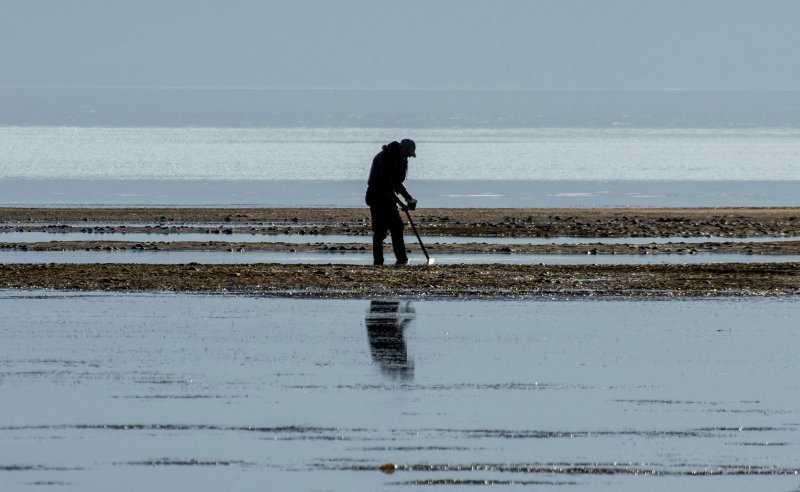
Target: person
(386,177)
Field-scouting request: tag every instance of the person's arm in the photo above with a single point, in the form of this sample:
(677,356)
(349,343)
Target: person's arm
(401,189)
(411,203)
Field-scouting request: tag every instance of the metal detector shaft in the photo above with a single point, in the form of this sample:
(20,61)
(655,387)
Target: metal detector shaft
(424,251)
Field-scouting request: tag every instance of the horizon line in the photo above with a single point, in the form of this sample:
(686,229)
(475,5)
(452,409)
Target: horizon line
(397,89)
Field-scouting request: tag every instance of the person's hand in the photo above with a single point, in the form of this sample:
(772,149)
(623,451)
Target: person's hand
(412,204)
(403,207)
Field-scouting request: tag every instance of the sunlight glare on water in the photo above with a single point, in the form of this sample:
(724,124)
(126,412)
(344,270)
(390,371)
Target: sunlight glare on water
(444,154)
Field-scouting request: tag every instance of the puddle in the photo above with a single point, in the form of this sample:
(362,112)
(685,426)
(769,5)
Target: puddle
(365,258)
(163,391)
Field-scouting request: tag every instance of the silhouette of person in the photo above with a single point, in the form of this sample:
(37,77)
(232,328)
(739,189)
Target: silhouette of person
(386,177)
(385,322)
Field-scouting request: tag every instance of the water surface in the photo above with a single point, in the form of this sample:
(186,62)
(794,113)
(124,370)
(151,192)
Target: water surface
(335,154)
(161,391)
(494,193)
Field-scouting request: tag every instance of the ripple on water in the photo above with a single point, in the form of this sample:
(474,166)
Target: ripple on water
(638,469)
(185,462)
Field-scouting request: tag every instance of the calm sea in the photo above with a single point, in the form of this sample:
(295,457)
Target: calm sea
(475,148)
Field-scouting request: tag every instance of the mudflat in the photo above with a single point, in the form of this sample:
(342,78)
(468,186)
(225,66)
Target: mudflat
(495,280)
(516,222)
(473,280)
(673,248)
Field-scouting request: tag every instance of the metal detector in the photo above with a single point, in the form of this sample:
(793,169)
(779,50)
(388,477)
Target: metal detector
(424,251)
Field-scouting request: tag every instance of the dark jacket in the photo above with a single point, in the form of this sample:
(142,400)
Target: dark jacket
(386,177)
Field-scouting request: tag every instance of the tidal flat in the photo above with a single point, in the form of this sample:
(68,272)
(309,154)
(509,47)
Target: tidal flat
(437,281)
(204,392)
(768,234)
(333,376)
(490,222)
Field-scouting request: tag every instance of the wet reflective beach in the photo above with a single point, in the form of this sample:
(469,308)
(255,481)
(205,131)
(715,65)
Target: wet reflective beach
(163,391)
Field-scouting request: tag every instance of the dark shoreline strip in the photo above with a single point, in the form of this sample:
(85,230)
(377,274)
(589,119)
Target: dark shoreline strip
(483,281)
(677,248)
(512,222)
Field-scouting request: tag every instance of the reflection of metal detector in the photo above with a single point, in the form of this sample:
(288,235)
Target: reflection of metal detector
(430,260)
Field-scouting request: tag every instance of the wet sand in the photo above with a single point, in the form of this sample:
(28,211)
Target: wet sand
(481,280)
(343,281)
(677,248)
(522,222)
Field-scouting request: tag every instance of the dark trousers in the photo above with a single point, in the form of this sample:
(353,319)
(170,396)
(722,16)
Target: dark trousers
(385,219)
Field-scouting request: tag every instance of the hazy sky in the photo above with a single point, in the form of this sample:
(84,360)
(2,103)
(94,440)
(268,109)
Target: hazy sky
(538,44)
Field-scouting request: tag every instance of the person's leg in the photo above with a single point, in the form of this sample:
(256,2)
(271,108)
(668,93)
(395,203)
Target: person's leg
(395,224)
(379,230)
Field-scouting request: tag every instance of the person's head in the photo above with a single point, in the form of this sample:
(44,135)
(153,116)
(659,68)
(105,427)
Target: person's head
(409,147)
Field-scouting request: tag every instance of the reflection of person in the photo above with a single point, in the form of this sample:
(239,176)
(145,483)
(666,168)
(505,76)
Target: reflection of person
(386,178)
(386,321)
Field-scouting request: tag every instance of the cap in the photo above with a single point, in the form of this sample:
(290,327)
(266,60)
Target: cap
(410,146)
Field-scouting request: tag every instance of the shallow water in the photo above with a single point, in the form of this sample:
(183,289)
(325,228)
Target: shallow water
(154,391)
(365,257)
(28,237)
(494,193)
